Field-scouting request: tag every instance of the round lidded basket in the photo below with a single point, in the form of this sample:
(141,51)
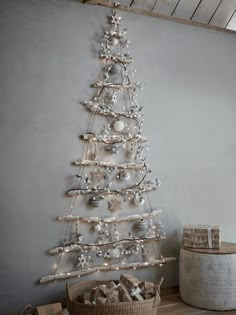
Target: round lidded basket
(208,277)
(121,308)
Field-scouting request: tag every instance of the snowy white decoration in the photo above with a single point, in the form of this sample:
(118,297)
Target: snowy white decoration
(118,125)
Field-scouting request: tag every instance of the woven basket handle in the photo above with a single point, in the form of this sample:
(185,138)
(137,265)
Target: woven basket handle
(157,299)
(69,299)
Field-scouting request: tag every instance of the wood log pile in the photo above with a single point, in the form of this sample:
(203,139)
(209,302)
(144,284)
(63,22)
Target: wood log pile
(127,289)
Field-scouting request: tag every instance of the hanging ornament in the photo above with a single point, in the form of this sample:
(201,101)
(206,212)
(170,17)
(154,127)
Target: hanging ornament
(141,226)
(130,151)
(114,253)
(124,175)
(118,125)
(115,19)
(114,40)
(114,69)
(107,254)
(96,201)
(112,148)
(97,176)
(114,204)
(82,261)
(98,227)
(99,253)
(139,200)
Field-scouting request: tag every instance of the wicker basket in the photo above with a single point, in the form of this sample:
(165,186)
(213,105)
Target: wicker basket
(123,308)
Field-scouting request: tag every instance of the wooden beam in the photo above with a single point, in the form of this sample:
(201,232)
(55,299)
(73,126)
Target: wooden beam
(174,19)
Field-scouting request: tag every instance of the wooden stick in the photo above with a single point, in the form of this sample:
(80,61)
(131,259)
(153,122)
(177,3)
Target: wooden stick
(74,247)
(101,110)
(112,139)
(117,86)
(94,220)
(136,166)
(113,267)
(77,192)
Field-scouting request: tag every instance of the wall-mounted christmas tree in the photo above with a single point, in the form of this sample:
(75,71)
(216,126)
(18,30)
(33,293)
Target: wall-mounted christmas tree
(112,177)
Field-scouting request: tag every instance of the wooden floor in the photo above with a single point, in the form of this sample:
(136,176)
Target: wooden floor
(173,305)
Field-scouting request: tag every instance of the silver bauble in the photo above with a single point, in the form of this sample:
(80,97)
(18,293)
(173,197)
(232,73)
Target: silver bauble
(141,226)
(115,69)
(95,201)
(139,200)
(114,253)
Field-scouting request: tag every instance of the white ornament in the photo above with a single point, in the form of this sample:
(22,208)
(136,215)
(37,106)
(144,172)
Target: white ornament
(124,175)
(97,227)
(115,41)
(139,200)
(114,253)
(118,125)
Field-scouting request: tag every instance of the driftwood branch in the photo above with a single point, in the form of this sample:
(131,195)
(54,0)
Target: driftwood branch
(91,137)
(74,246)
(95,220)
(113,267)
(136,166)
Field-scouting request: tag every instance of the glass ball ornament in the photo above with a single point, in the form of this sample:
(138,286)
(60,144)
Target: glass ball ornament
(139,200)
(118,125)
(97,227)
(115,40)
(114,69)
(96,201)
(141,226)
(124,175)
(114,253)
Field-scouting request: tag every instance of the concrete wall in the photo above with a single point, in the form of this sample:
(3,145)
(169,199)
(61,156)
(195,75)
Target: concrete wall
(47,62)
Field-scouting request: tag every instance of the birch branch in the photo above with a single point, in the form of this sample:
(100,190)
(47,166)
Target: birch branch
(117,58)
(77,192)
(113,267)
(136,166)
(117,86)
(94,220)
(74,247)
(113,139)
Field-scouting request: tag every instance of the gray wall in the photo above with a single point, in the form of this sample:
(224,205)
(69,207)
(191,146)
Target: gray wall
(47,63)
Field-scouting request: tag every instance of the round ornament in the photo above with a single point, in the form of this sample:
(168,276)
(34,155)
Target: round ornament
(141,226)
(115,41)
(97,227)
(124,175)
(118,125)
(139,200)
(114,253)
(115,69)
(95,201)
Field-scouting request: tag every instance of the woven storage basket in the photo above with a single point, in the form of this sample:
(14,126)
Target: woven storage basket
(123,308)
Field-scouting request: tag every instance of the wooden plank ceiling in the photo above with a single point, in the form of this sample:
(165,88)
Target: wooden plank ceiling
(215,14)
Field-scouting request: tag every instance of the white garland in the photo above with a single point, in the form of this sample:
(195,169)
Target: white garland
(94,220)
(113,267)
